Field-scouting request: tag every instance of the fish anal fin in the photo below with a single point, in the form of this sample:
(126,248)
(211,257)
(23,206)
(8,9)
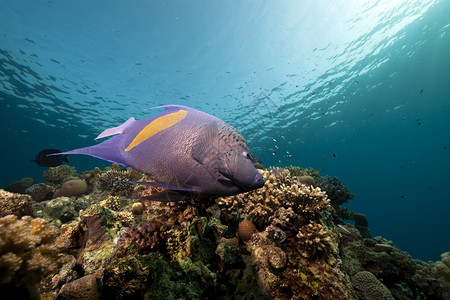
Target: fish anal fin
(166,186)
(168,196)
(116,130)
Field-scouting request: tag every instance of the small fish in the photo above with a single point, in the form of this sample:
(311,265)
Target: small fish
(421,91)
(184,150)
(50,161)
(334,154)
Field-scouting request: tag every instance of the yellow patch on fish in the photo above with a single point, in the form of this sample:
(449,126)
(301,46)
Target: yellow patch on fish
(156,126)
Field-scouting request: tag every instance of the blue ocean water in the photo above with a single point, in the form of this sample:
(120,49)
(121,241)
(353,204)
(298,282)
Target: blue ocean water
(355,89)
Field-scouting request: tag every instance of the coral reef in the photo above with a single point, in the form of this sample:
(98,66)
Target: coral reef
(61,208)
(143,238)
(59,173)
(245,230)
(337,193)
(116,181)
(15,204)
(84,288)
(40,192)
(137,208)
(369,287)
(20,186)
(281,191)
(433,278)
(30,248)
(73,187)
(286,240)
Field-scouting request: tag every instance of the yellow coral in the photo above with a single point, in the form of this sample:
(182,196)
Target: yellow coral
(279,191)
(29,249)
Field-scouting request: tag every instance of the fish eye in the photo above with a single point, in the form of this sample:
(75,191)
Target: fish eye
(247,155)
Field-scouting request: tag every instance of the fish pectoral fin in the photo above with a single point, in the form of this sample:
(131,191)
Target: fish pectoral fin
(116,130)
(207,147)
(168,196)
(193,189)
(227,175)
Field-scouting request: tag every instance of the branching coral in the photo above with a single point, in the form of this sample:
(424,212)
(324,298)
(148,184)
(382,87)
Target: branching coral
(337,193)
(280,190)
(313,237)
(29,250)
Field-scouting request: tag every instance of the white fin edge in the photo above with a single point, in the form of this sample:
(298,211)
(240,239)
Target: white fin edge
(116,130)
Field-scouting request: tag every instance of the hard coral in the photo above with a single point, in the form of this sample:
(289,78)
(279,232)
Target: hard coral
(313,237)
(337,193)
(370,288)
(245,230)
(116,181)
(61,208)
(83,288)
(433,278)
(40,192)
(280,190)
(30,249)
(144,238)
(15,204)
(59,173)
(20,186)
(74,187)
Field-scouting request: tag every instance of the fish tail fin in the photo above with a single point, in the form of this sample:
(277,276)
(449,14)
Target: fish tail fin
(65,158)
(103,151)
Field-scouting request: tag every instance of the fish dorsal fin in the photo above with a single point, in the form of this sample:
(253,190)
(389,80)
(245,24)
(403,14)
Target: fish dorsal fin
(116,130)
(206,150)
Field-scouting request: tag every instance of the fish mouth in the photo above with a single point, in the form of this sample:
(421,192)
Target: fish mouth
(258,183)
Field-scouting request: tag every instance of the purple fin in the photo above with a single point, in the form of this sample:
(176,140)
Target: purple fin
(106,151)
(166,186)
(167,196)
(116,130)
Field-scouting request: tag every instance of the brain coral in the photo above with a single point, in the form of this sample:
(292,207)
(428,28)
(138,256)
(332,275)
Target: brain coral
(30,249)
(369,287)
(74,187)
(246,229)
